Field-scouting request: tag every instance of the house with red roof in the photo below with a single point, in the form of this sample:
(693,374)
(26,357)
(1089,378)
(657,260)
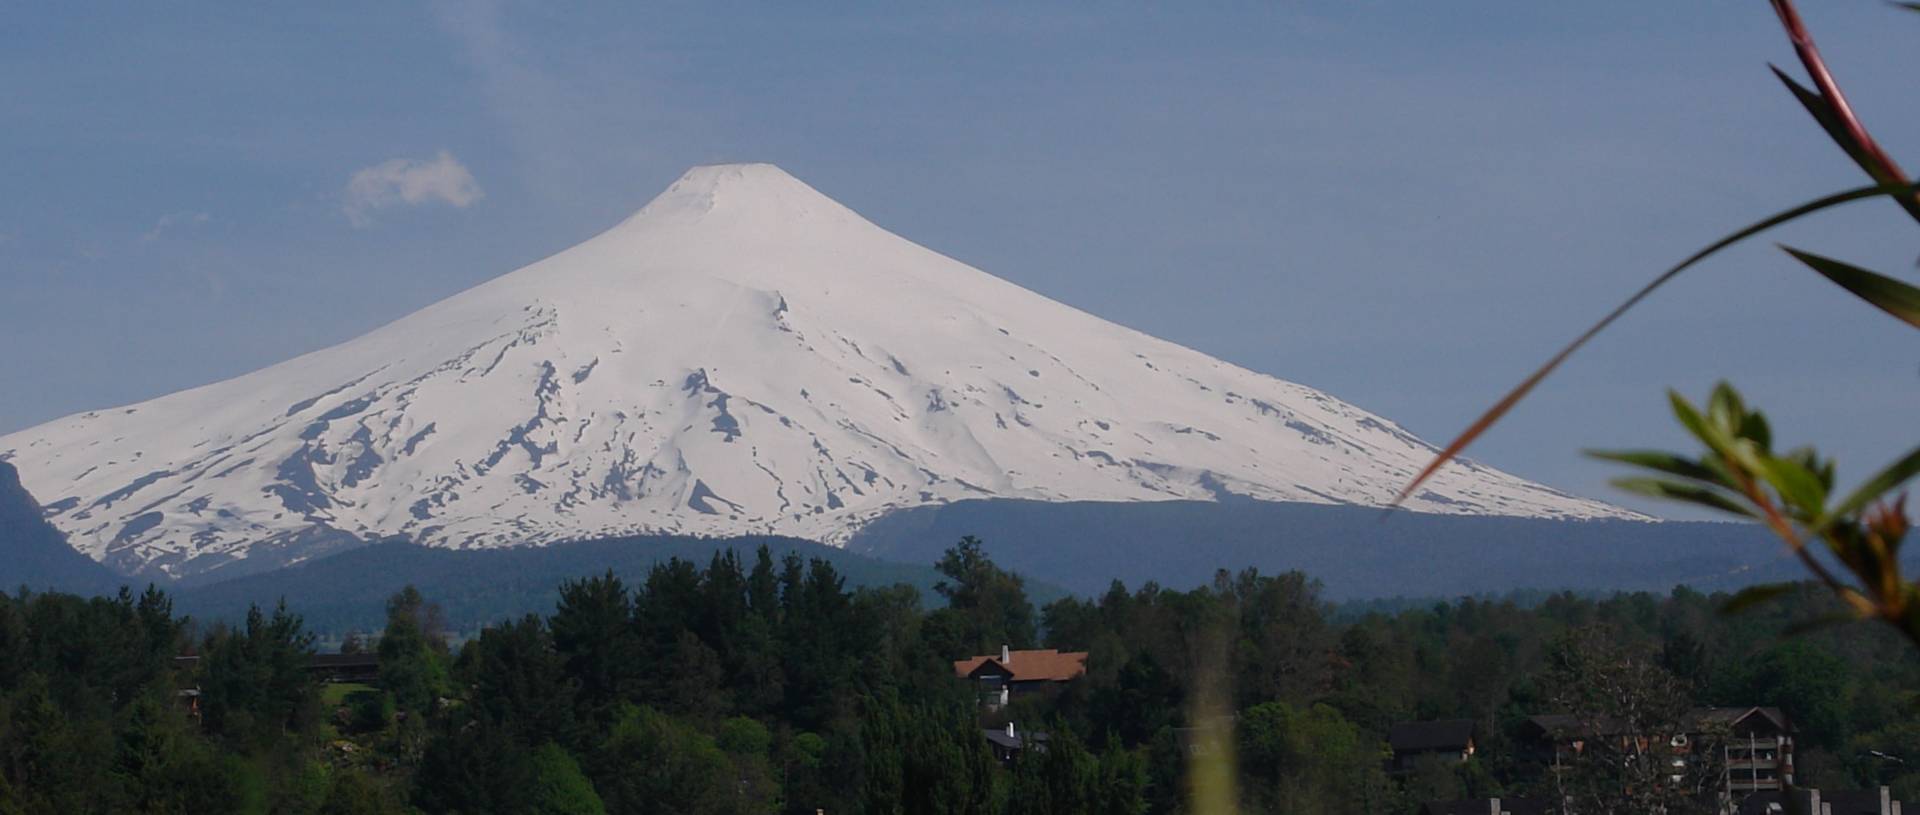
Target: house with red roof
(1019,673)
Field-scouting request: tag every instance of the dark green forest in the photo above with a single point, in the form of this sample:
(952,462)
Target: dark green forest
(756,683)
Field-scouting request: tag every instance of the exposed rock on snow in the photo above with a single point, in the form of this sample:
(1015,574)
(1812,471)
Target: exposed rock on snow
(741,355)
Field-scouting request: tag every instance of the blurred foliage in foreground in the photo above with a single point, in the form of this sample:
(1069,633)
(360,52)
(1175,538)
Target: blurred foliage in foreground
(1849,542)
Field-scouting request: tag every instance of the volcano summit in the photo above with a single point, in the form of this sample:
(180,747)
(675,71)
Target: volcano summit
(743,355)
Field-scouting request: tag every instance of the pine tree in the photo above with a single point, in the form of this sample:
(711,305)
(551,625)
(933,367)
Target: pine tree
(593,632)
(515,678)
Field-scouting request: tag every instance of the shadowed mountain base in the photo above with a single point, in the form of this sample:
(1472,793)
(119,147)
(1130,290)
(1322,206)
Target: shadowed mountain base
(1357,552)
(34,554)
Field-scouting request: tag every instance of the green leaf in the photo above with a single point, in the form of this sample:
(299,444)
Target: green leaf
(1687,493)
(1691,419)
(1754,595)
(1725,410)
(1880,484)
(1755,427)
(1710,434)
(1829,107)
(1885,293)
(1795,483)
(1810,458)
(1822,111)
(1748,437)
(1668,463)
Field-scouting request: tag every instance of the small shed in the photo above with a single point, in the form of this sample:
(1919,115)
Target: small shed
(1450,740)
(1008,743)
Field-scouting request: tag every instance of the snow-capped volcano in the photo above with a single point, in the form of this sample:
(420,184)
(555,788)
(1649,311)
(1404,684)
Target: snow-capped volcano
(741,355)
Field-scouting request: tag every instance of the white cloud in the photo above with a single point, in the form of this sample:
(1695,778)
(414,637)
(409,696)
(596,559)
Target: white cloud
(412,182)
(173,219)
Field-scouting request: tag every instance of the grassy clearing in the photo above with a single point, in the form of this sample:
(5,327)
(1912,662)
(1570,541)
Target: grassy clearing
(334,694)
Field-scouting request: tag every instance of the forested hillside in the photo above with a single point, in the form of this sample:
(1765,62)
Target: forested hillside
(764,684)
(348,592)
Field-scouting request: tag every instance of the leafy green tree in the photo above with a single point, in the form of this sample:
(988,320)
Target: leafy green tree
(924,758)
(818,773)
(560,788)
(1061,779)
(1121,788)
(370,711)
(353,792)
(475,767)
(652,763)
(696,687)
(1139,701)
(1284,640)
(1307,761)
(53,763)
(411,652)
(746,743)
(160,766)
(1626,711)
(1810,684)
(1434,778)
(10,803)
(989,603)
(1167,769)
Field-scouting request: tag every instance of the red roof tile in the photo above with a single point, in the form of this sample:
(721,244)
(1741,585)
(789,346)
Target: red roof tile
(1046,665)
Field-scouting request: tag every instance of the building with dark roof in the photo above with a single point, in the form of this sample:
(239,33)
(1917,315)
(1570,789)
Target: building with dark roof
(361,667)
(1755,743)
(1008,743)
(1450,740)
(357,667)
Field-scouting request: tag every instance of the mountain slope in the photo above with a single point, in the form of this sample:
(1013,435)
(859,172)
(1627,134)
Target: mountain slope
(33,553)
(743,355)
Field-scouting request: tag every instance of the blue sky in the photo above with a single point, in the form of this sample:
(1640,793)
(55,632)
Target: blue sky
(1406,205)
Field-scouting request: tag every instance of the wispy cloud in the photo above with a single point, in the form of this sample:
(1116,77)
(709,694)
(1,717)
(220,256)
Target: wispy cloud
(410,182)
(174,219)
(570,117)
(541,115)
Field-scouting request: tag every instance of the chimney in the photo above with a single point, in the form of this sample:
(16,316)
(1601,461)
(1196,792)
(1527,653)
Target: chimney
(1493,806)
(1010,730)
(1006,654)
